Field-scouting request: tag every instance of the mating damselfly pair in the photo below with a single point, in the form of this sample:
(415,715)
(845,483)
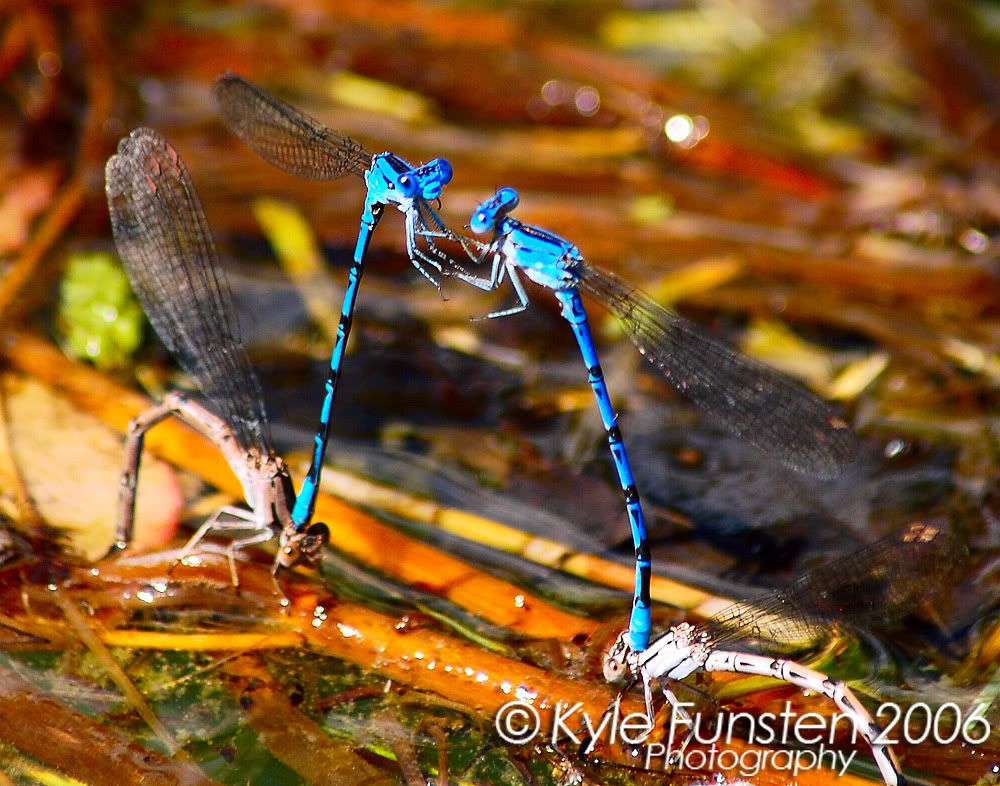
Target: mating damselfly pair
(166,245)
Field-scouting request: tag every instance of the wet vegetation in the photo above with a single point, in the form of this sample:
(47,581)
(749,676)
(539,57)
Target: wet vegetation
(815,183)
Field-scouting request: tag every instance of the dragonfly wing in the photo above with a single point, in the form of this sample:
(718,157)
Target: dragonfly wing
(166,245)
(759,404)
(284,136)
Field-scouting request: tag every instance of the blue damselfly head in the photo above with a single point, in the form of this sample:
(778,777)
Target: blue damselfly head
(427,181)
(493,211)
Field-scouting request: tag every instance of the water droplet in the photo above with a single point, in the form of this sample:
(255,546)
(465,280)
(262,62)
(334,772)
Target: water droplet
(587,101)
(678,128)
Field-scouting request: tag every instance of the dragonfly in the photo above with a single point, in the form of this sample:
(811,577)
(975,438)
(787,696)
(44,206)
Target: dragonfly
(301,145)
(165,243)
(874,584)
(759,404)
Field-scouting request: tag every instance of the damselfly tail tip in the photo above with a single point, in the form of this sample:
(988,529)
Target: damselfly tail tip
(615,662)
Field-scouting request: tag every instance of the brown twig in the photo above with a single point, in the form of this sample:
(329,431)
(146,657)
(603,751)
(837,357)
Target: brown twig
(24,269)
(295,739)
(420,657)
(117,674)
(79,747)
